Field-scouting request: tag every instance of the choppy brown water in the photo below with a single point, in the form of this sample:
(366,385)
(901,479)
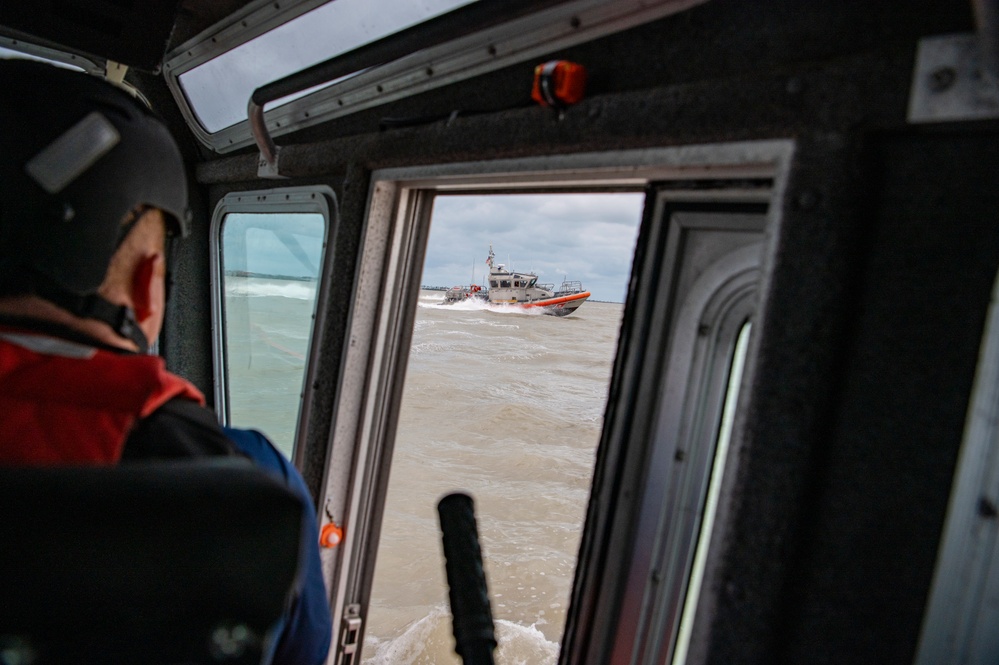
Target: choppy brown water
(505,405)
(508,407)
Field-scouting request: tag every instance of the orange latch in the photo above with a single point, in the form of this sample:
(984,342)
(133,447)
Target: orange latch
(331,535)
(558,83)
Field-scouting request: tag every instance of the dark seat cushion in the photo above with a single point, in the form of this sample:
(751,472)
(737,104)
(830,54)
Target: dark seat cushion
(159,562)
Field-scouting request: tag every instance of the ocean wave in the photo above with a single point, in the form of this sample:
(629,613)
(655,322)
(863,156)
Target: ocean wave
(294,290)
(431,347)
(478,305)
(429,640)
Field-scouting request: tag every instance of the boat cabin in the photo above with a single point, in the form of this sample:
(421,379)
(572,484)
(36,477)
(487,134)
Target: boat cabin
(512,287)
(795,459)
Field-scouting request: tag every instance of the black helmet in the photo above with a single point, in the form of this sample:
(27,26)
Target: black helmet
(77,154)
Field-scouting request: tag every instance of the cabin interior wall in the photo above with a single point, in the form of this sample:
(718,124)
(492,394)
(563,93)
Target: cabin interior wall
(868,349)
(154,88)
(882,473)
(345,249)
(187,327)
(721,71)
(133,32)
(863,377)
(714,42)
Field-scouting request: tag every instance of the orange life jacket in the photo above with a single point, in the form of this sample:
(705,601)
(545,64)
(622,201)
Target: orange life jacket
(66,403)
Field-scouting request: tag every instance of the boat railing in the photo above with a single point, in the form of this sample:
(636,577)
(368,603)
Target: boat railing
(569,287)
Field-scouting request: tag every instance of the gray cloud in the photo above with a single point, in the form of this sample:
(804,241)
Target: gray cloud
(586,237)
(219,89)
(274,244)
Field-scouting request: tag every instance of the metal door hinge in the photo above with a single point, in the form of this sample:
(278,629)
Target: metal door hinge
(950,83)
(349,645)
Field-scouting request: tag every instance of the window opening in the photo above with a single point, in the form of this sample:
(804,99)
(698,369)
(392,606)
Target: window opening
(507,404)
(218,90)
(270,265)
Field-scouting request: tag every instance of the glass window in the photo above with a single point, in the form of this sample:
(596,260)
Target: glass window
(218,90)
(270,266)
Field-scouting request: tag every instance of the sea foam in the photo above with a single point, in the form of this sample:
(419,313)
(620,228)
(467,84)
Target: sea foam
(430,640)
(271,288)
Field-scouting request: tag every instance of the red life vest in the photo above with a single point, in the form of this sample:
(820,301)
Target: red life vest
(67,403)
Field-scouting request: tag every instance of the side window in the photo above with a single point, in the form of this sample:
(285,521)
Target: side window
(269,250)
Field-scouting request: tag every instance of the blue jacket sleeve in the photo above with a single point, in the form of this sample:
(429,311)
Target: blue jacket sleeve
(308,629)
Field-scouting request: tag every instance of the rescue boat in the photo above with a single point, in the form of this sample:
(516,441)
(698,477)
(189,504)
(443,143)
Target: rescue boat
(518,289)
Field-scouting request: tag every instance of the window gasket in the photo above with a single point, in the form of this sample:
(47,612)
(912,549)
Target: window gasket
(88,64)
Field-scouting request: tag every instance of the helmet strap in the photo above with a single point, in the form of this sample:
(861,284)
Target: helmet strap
(121,318)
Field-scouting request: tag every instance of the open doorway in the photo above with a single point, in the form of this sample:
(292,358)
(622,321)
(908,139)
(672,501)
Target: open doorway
(507,404)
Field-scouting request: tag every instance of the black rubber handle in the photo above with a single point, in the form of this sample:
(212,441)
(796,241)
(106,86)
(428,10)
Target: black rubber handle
(472,617)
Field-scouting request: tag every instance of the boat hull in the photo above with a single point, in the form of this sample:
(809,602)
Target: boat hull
(560,306)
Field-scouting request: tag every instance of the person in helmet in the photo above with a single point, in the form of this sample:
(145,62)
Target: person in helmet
(94,188)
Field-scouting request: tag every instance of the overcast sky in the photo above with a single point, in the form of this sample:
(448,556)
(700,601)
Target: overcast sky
(289,244)
(219,89)
(584,237)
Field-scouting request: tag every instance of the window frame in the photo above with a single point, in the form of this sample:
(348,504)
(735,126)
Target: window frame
(694,378)
(88,64)
(567,24)
(318,199)
(384,304)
